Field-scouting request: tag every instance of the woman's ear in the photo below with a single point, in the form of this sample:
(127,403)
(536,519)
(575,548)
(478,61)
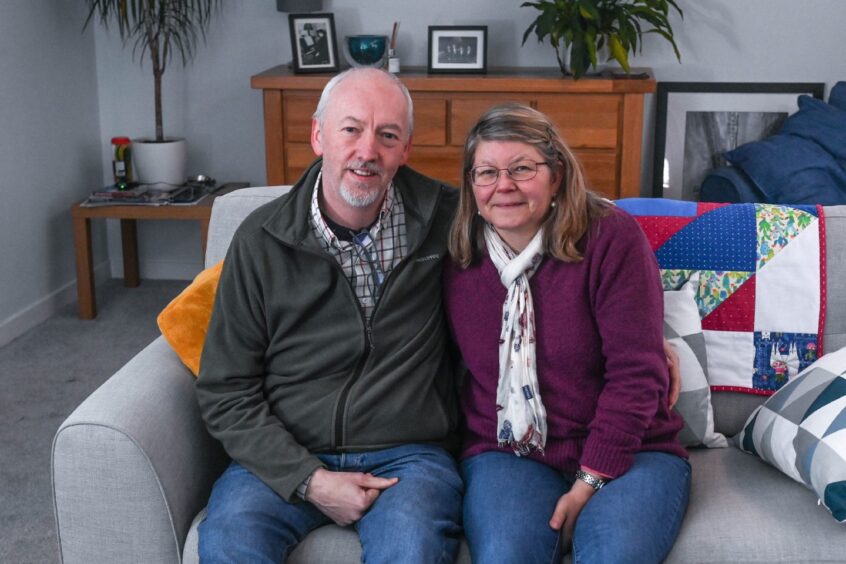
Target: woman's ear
(559,172)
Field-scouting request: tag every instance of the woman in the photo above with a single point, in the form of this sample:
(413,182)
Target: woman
(555,302)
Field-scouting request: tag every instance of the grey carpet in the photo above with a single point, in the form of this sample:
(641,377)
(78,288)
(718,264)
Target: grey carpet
(44,375)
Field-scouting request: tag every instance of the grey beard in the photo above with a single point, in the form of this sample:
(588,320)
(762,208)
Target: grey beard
(359,200)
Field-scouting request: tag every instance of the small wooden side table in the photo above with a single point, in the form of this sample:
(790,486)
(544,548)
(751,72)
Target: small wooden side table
(128,216)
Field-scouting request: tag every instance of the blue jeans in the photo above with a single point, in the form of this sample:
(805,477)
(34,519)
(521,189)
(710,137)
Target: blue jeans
(635,518)
(416,520)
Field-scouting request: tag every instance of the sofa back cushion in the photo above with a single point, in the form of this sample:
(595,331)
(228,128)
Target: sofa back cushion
(229,211)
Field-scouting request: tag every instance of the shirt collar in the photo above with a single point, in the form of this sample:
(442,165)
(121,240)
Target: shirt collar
(326,231)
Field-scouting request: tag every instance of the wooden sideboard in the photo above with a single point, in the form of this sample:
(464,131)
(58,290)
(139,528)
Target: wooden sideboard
(600,118)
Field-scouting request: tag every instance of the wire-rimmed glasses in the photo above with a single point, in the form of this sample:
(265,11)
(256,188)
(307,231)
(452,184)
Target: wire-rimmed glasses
(485,175)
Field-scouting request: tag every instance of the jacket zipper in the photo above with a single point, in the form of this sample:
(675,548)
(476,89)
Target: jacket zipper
(341,406)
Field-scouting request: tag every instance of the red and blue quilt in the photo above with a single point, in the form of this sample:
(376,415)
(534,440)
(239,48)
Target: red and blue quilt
(761,293)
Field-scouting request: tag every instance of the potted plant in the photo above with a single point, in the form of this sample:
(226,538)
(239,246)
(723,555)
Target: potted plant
(583,27)
(159,29)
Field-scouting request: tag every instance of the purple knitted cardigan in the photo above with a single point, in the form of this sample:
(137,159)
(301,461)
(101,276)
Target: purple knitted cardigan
(601,366)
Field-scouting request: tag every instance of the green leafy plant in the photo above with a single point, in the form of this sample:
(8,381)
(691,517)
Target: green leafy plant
(160,28)
(586,26)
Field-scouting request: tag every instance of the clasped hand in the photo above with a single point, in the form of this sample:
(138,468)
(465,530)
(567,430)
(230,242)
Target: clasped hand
(345,497)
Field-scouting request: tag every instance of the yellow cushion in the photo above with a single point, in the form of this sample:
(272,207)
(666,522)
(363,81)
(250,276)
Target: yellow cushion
(185,320)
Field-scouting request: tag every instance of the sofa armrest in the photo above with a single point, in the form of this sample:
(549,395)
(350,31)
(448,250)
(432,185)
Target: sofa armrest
(133,465)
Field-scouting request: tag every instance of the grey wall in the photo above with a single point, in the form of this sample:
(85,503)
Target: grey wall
(49,148)
(212,105)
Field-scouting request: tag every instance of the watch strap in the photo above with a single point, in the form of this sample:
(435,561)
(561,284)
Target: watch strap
(302,489)
(592,480)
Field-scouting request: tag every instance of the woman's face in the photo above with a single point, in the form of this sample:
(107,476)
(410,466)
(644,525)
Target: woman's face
(516,208)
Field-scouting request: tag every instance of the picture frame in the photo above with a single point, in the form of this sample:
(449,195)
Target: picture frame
(314,43)
(458,49)
(696,122)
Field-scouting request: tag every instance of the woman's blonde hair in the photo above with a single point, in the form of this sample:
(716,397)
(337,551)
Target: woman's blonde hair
(575,206)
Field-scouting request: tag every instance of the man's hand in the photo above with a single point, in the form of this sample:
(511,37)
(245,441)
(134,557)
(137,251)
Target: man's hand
(345,497)
(675,373)
(567,510)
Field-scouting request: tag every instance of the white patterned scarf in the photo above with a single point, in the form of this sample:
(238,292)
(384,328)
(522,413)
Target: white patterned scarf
(521,416)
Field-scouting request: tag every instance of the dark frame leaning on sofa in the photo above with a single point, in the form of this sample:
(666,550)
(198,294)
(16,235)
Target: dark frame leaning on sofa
(765,104)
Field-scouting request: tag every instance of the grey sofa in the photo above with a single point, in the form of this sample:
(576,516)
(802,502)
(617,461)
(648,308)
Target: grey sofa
(133,465)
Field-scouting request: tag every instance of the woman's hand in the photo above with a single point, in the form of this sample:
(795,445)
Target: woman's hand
(568,508)
(675,373)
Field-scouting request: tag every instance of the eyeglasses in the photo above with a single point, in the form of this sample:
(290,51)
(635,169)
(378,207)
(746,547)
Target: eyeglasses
(487,175)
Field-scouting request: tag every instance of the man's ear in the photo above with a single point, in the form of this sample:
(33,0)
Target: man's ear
(407,151)
(316,143)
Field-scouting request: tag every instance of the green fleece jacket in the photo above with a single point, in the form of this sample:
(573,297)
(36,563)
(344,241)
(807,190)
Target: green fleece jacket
(290,368)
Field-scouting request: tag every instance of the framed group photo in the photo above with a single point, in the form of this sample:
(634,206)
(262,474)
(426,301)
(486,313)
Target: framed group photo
(314,44)
(697,122)
(458,49)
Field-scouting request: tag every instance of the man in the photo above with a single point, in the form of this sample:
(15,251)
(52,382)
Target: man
(325,373)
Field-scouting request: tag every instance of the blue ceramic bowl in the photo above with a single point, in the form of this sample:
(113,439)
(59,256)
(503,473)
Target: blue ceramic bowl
(365,50)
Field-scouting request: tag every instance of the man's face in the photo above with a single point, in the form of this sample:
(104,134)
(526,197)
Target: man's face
(363,140)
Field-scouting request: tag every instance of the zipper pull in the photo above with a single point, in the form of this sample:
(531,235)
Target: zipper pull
(370,337)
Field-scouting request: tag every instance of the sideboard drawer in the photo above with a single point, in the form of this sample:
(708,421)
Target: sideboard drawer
(430,115)
(298,109)
(585,120)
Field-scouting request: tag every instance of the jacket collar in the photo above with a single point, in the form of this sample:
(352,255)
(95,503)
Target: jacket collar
(290,221)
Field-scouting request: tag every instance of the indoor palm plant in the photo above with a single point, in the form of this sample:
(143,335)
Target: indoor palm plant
(159,28)
(583,27)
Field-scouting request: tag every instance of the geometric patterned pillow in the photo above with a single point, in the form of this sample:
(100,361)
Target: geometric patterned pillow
(801,430)
(683,329)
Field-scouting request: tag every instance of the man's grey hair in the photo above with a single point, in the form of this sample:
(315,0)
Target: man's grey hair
(326,96)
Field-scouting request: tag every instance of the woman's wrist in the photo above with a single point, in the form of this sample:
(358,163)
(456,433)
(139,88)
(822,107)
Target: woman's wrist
(591,479)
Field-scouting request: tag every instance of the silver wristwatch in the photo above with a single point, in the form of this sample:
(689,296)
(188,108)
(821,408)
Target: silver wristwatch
(302,489)
(592,480)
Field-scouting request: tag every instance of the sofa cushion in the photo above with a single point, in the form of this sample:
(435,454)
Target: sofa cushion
(229,210)
(743,510)
(801,430)
(683,329)
(185,320)
(329,544)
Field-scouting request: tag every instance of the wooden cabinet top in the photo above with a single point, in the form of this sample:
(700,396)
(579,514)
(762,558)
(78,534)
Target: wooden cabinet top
(496,80)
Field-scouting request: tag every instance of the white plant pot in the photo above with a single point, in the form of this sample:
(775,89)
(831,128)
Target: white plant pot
(162,165)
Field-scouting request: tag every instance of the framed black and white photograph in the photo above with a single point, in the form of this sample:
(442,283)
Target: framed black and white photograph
(314,45)
(697,122)
(458,49)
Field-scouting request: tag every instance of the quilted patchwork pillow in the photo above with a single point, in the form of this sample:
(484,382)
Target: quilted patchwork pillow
(761,288)
(683,329)
(801,430)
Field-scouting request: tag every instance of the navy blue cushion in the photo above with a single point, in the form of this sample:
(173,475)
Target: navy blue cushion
(837,96)
(805,163)
(821,123)
(729,184)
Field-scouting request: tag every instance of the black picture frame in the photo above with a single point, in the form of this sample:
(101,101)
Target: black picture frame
(314,43)
(447,44)
(723,115)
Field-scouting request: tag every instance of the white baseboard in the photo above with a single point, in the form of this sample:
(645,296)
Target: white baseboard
(13,327)
(161,269)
